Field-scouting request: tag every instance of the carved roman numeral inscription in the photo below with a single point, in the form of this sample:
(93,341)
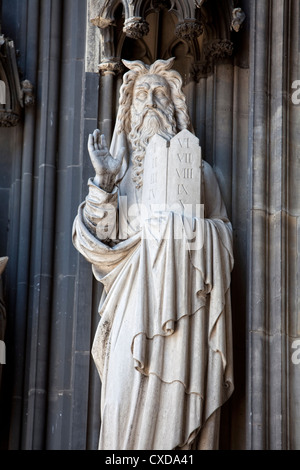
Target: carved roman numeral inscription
(172,171)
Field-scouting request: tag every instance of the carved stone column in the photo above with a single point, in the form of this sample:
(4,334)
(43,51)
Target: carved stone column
(108,70)
(274,211)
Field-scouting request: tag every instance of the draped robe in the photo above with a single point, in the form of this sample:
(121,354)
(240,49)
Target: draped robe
(163,346)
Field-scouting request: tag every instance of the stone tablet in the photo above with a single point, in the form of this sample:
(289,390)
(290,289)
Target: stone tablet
(172,174)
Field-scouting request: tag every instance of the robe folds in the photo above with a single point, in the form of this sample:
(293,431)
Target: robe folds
(163,346)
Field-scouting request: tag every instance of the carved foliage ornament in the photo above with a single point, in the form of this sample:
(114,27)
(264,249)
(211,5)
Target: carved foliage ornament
(189,29)
(218,49)
(136,27)
(214,51)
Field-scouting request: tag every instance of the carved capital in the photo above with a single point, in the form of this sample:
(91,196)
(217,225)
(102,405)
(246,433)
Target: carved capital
(111,67)
(8,119)
(189,29)
(136,27)
(218,49)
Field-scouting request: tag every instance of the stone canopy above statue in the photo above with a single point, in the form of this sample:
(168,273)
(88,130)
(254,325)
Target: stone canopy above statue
(202,32)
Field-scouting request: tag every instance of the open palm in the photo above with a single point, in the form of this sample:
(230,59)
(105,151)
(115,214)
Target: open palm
(106,166)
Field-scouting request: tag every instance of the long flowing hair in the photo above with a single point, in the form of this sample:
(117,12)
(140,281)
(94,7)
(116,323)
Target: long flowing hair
(181,118)
(159,67)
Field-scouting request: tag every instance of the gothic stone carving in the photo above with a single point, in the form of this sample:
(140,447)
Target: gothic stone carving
(111,66)
(238,17)
(189,29)
(218,49)
(28,94)
(214,21)
(10,111)
(136,27)
(14,95)
(8,119)
(163,346)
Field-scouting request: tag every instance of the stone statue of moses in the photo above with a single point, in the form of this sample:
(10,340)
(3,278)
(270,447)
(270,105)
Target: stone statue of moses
(163,346)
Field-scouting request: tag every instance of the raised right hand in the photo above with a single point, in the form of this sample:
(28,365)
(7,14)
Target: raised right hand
(106,167)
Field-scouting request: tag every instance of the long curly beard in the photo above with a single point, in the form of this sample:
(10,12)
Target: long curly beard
(143,127)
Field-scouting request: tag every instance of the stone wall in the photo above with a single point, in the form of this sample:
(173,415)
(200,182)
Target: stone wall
(49,320)
(273,251)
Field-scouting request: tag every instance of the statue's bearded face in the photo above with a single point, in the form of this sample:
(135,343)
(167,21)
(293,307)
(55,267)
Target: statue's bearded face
(152,112)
